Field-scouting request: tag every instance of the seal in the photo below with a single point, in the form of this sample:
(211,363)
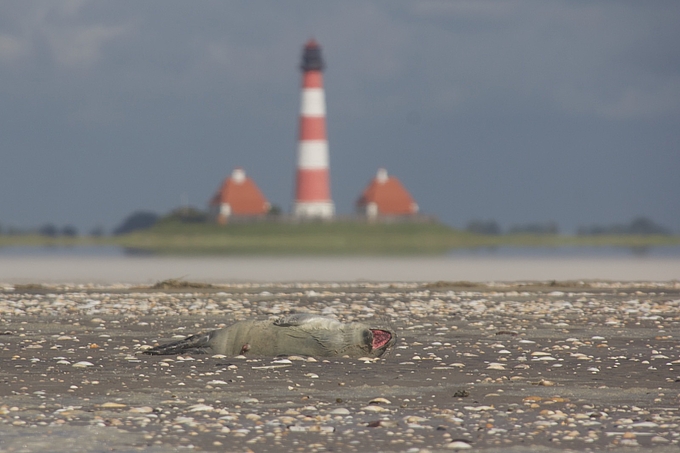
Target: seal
(296,334)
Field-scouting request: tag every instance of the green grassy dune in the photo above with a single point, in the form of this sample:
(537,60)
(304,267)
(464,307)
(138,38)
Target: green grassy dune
(304,238)
(337,238)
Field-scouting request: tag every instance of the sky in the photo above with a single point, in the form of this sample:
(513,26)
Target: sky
(517,111)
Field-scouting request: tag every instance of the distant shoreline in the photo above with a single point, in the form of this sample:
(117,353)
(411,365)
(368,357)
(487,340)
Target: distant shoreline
(351,239)
(500,251)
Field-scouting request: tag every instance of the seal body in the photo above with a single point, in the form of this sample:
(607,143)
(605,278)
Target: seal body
(299,334)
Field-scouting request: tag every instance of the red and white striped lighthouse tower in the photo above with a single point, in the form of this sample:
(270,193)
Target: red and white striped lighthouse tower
(313,192)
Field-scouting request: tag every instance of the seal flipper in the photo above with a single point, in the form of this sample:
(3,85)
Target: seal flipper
(196,343)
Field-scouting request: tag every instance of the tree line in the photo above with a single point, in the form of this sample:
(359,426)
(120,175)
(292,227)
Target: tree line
(638,226)
(141,220)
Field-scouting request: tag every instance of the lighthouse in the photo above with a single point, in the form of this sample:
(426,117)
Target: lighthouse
(312,182)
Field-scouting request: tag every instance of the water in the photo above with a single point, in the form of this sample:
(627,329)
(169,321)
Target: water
(61,250)
(668,251)
(113,267)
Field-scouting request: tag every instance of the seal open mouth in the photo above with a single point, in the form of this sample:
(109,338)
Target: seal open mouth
(380,338)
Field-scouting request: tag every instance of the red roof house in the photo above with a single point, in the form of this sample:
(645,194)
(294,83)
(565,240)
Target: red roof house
(238,196)
(386,196)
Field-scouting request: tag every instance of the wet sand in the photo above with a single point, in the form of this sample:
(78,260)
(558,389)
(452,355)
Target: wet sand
(147,270)
(500,367)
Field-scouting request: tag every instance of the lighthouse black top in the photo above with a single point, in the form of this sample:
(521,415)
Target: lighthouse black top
(311,57)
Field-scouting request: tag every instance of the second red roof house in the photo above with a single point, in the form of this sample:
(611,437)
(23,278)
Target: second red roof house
(238,196)
(386,196)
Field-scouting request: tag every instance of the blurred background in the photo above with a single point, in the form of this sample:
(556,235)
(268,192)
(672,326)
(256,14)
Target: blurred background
(523,111)
(500,118)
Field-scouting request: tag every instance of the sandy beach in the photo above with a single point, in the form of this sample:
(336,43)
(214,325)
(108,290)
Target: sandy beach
(590,366)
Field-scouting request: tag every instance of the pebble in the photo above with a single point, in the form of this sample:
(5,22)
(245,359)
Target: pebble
(111,405)
(516,351)
(374,408)
(458,445)
(496,366)
(82,364)
(141,410)
(340,411)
